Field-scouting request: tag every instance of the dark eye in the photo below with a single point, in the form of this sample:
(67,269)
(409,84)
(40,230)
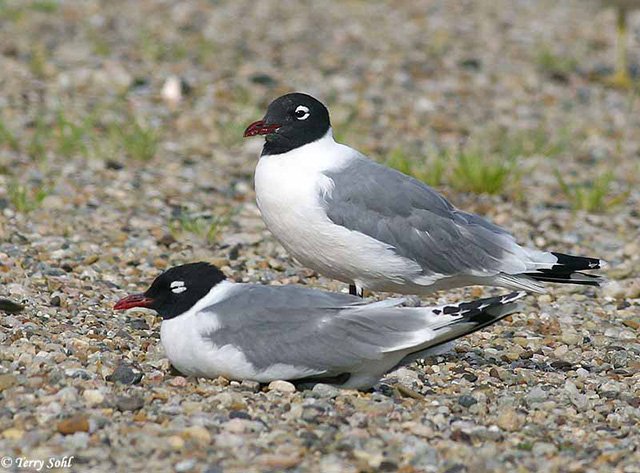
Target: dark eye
(302,112)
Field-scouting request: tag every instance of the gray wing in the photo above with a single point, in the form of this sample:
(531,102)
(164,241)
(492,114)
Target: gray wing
(418,222)
(325,332)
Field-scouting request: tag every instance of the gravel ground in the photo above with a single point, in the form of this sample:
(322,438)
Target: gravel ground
(121,155)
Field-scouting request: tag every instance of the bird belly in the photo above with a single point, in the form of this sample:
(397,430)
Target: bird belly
(190,345)
(291,207)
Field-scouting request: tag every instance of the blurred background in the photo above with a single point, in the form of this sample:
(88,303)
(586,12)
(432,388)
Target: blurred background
(121,154)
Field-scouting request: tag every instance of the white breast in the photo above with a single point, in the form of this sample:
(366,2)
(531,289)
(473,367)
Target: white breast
(289,188)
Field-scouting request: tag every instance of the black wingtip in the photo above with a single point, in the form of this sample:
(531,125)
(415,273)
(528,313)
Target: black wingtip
(576,263)
(567,271)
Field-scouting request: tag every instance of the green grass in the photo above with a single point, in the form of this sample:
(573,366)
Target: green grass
(38,60)
(205,228)
(430,170)
(555,64)
(37,146)
(43,6)
(592,196)
(475,171)
(8,138)
(98,41)
(538,141)
(525,446)
(107,131)
(26,198)
(72,135)
(155,49)
(139,141)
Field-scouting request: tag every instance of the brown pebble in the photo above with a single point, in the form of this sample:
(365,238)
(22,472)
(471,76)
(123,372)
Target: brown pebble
(73,424)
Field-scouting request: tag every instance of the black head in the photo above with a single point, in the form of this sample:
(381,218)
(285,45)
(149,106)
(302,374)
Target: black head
(176,290)
(292,120)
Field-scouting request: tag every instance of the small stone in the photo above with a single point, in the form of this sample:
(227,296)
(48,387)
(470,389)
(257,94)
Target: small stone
(10,306)
(178,382)
(197,433)
(74,424)
(12,434)
(172,90)
(240,426)
(325,390)
(175,442)
(125,375)
(634,402)
(230,400)
(537,394)
(561,351)
(279,462)
(562,365)
(55,301)
(7,381)
(613,289)
(467,401)
(251,386)
(510,420)
(544,449)
(93,396)
(282,386)
(185,465)
(129,403)
(571,337)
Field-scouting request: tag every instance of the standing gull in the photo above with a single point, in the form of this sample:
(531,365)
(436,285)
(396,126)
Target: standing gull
(359,222)
(213,327)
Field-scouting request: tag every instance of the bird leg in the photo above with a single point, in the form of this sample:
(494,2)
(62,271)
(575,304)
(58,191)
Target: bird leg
(356,290)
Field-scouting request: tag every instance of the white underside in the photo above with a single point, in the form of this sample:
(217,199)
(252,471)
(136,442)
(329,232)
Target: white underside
(194,355)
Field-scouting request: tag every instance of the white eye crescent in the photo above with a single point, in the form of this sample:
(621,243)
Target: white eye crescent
(302,112)
(177,287)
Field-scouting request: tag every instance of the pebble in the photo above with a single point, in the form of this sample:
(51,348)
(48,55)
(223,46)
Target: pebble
(74,424)
(325,390)
(129,403)
(7,381)
(231,400)
(185,465)
(510,420)
(537,394)
(125,375)
(467,401)
(175,442)
(12,434)
(197,433)
(93,396)
(251,386)
(282,386)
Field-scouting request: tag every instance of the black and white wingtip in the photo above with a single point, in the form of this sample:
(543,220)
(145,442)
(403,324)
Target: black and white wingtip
(568,270)
(468,317)
(483,312)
